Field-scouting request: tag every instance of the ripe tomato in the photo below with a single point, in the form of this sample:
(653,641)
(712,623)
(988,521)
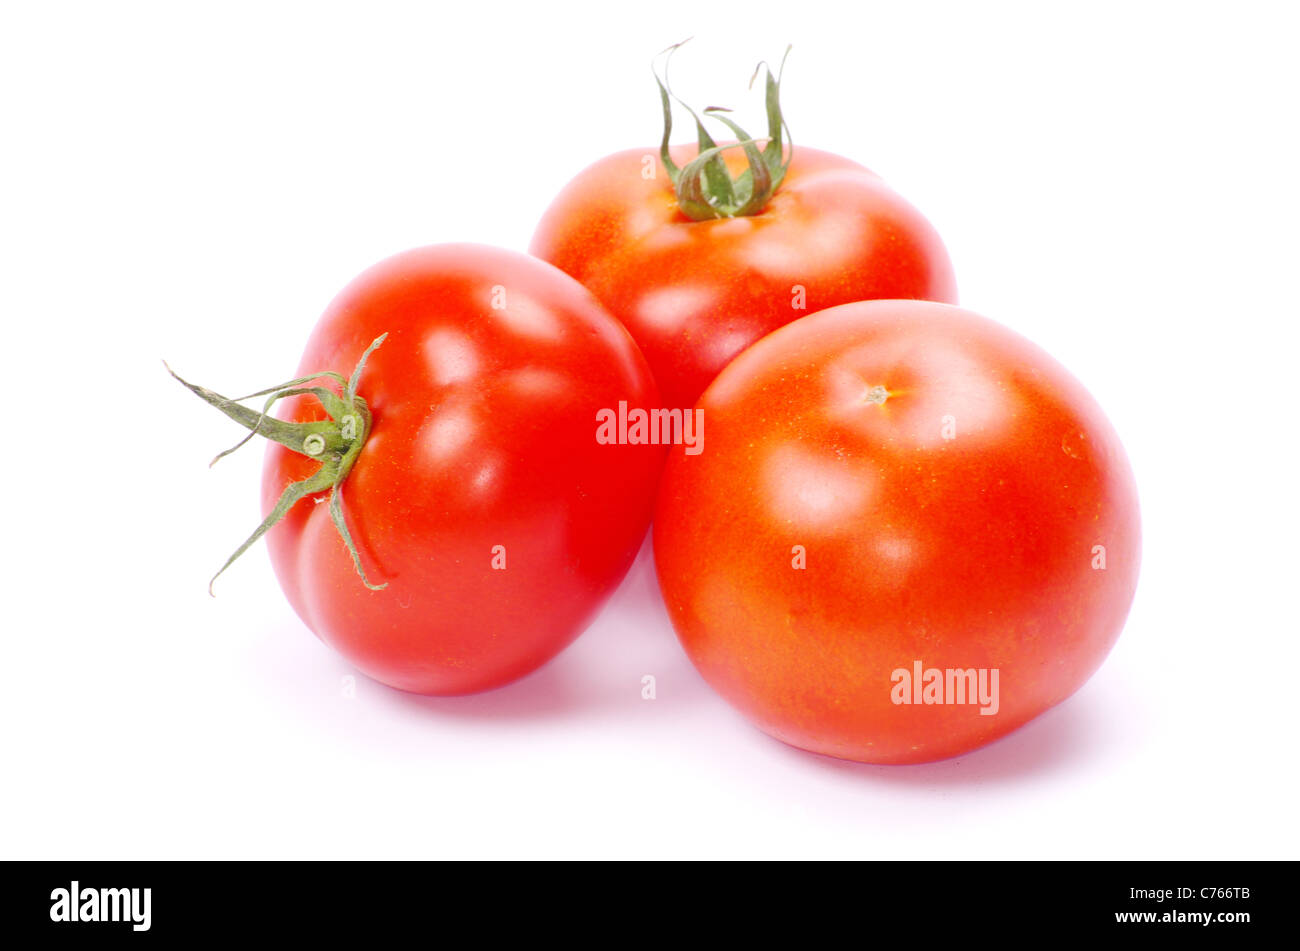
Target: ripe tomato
(480,496)
(897,486)
(696,293)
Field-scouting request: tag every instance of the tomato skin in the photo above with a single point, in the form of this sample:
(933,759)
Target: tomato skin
(483,435)
(696,293)
(976,551)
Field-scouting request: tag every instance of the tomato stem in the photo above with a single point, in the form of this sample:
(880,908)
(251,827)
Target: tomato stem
(335,442)
(704,187)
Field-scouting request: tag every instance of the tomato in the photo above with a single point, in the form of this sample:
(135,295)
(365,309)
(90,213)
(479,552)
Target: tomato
(888,489)
(481,500)
(694,293)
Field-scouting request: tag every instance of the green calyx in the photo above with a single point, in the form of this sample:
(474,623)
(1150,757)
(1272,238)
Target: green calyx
(335,443)
(704,186)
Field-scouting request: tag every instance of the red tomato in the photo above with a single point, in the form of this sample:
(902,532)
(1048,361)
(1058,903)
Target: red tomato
(481,496)
(897,486)
(696,293)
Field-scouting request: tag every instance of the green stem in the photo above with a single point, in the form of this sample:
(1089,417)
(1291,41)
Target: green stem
(335,442)
(704,187)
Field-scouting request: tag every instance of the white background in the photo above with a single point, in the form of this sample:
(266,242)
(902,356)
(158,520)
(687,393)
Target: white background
(1116,181)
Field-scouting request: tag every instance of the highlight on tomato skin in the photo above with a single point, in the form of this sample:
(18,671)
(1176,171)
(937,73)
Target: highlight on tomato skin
(910,532)
(481,499)
(695,291)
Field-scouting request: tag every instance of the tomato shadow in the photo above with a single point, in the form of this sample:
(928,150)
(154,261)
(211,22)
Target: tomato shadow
(602,671)
(1070,736)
